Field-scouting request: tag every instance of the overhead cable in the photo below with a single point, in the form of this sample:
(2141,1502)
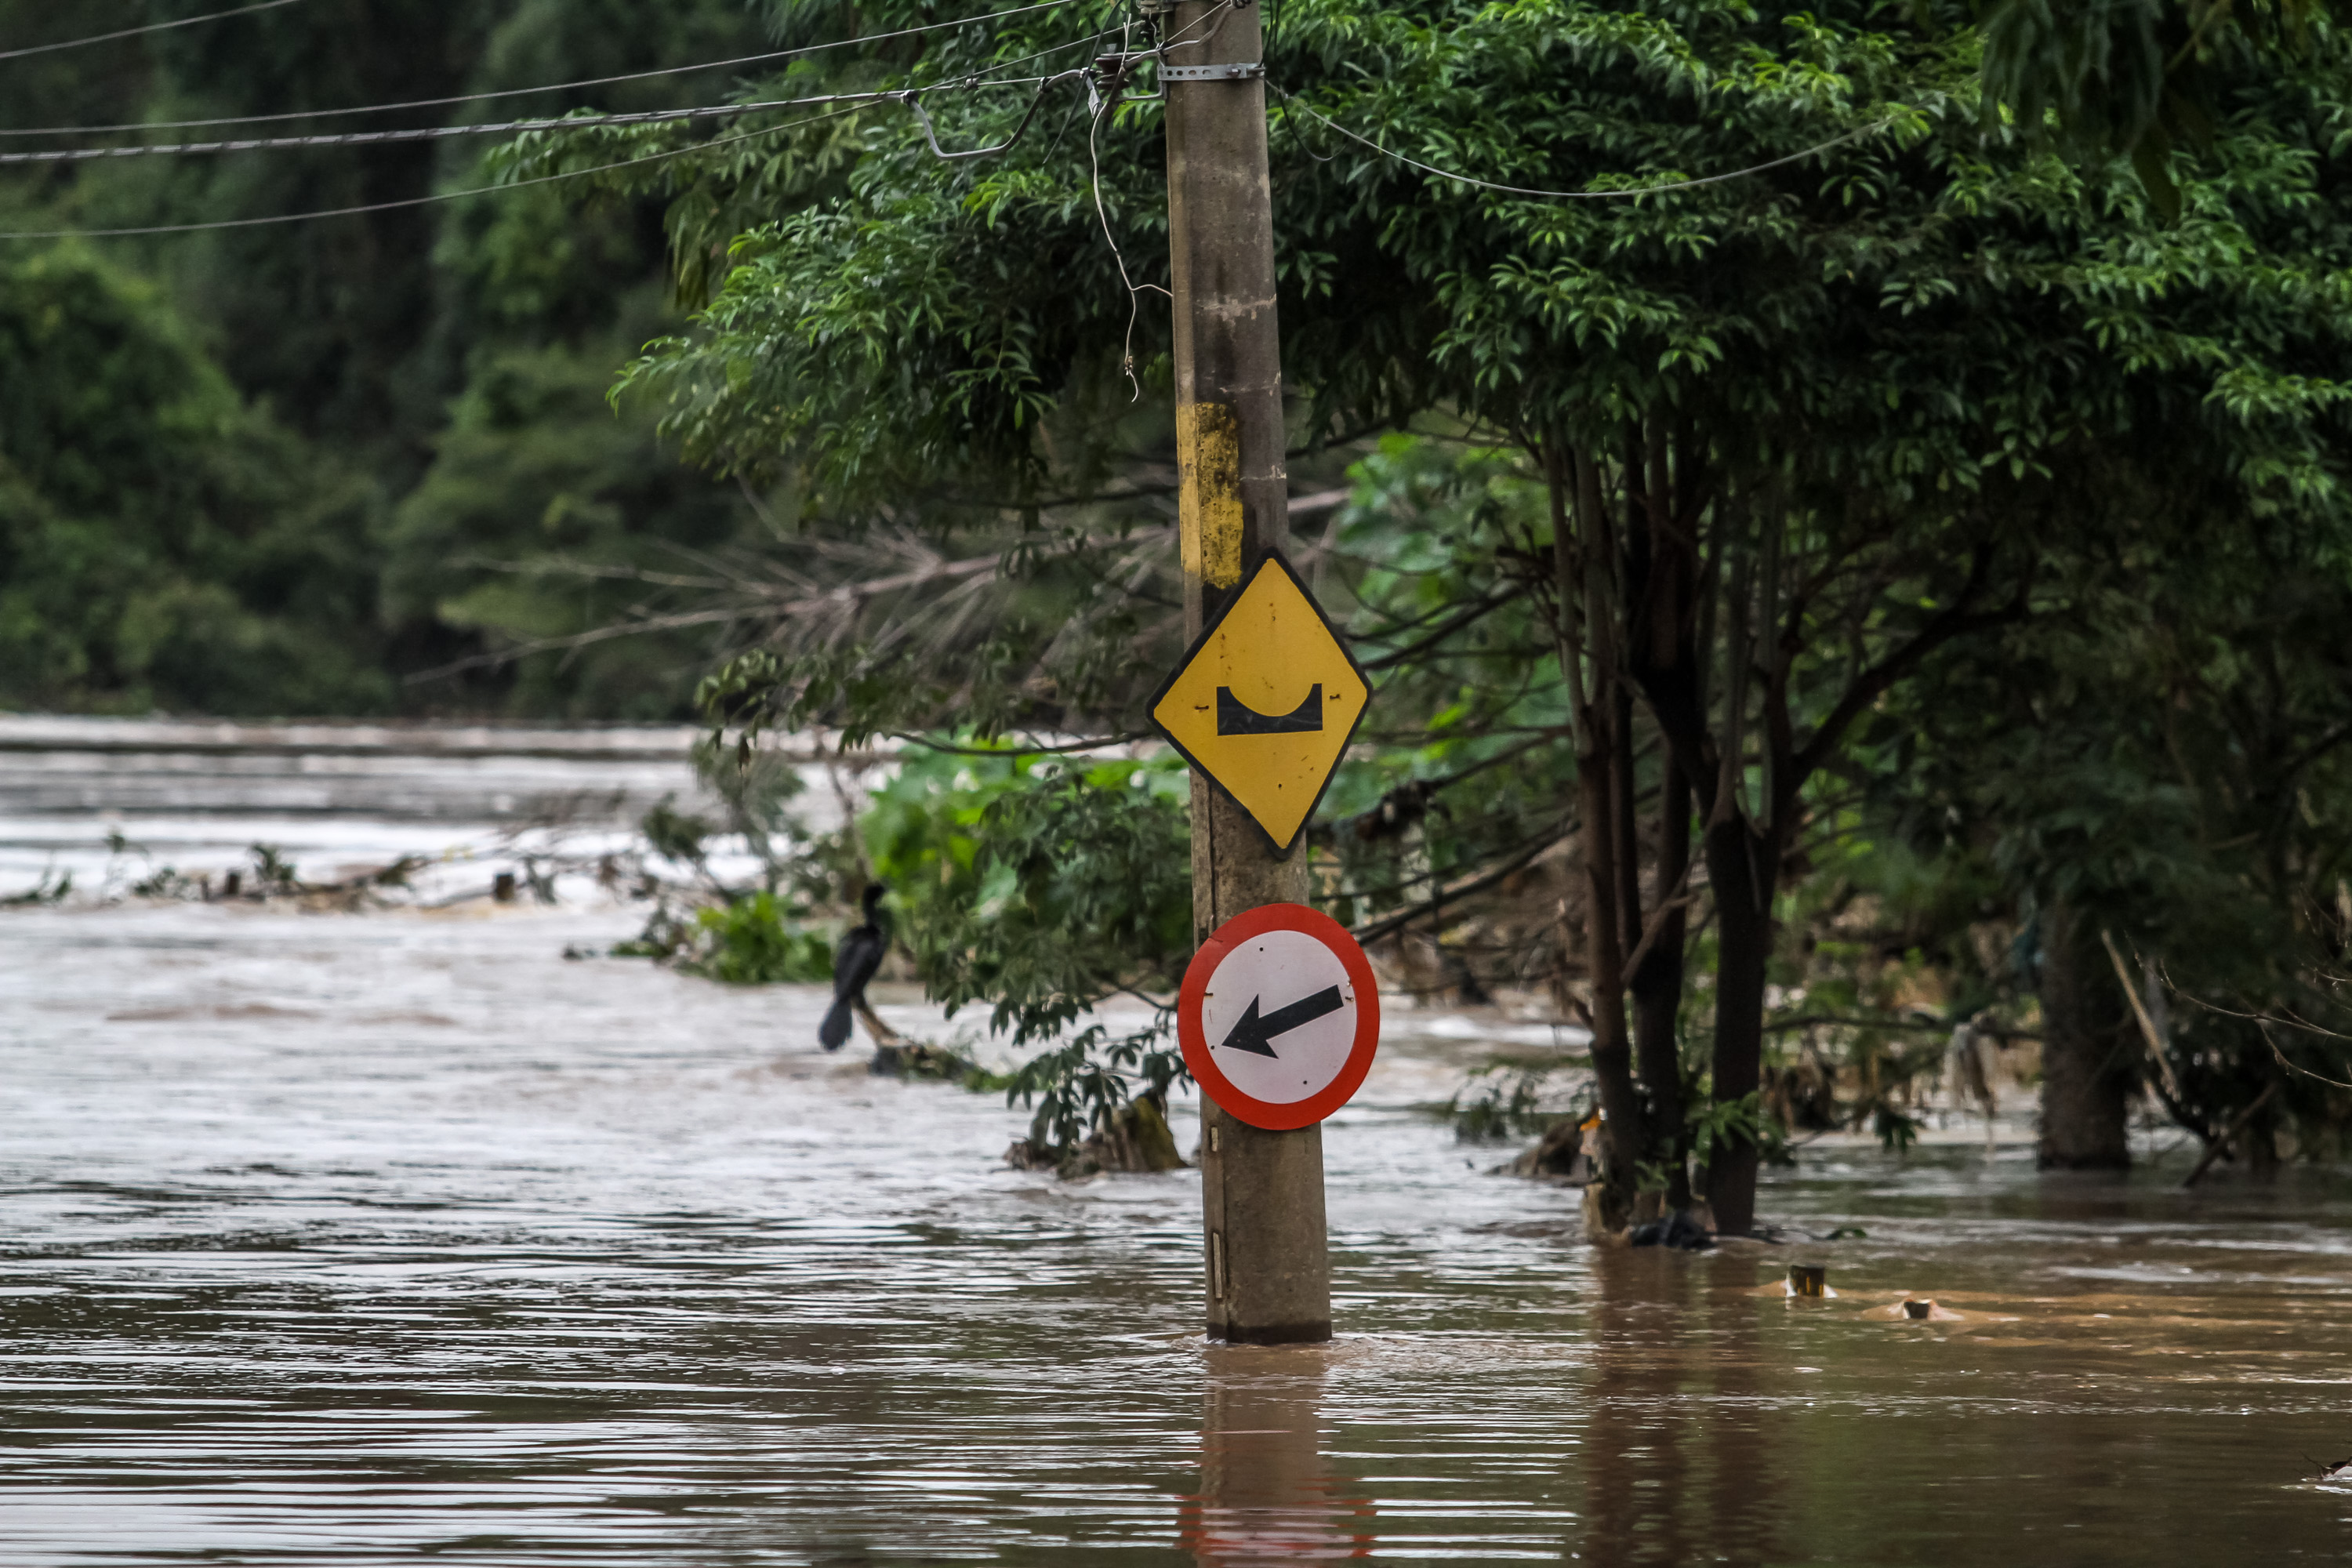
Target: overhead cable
(438,195)
(931,136)
(1579,195)
(522,91)
(510,127)
(134,32)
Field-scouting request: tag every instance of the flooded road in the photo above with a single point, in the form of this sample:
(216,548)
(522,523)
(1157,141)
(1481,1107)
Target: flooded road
(333,1238)
(337,1238)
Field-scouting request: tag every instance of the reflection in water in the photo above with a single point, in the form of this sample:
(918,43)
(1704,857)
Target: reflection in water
(1635,1468)
(1266,1495)
(1676,1452)
(1742,1427)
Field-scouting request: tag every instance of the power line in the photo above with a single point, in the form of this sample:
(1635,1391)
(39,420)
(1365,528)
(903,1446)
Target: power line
(852,102)
(134,32)
(1579,196)
(437,197)
(522,91)
(510,127)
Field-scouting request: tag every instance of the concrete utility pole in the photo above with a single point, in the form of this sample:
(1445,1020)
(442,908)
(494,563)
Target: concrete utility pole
(1268,1260)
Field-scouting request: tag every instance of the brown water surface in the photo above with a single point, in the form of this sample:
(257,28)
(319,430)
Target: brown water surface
(333,1239)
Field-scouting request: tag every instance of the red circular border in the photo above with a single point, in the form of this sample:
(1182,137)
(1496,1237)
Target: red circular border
(1213,1082)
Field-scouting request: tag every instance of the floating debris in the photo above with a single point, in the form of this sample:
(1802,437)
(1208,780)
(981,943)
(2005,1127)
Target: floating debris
(1681,1230)
(1913,1309)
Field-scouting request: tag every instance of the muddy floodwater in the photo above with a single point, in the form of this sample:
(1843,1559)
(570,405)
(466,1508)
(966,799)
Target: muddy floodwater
(333,1238)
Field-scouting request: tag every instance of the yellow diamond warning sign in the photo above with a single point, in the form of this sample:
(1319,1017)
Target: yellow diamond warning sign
(1264,702)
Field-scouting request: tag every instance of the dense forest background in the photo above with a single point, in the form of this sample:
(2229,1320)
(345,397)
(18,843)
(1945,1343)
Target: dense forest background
(300,468)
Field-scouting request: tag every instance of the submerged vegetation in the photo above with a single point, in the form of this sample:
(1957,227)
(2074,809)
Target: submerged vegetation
(1050,892)
(745,940)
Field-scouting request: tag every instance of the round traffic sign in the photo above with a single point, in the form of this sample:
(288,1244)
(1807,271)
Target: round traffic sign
(1279,1017)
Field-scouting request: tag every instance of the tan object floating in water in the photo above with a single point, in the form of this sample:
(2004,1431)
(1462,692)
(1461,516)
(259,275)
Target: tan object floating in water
(1809,1279)
(1921,1310)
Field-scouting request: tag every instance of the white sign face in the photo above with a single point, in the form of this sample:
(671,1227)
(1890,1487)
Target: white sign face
(1279,1017)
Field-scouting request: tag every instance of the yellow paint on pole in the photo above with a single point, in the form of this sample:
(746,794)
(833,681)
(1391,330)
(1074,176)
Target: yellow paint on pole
(1266,701)
(1209,491)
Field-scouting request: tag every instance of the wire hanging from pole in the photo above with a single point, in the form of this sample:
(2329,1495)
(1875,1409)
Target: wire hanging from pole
(1107,104)
(1045,85)
(1134,291)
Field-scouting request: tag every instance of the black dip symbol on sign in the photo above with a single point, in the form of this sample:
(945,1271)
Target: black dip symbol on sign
(1236,717)
(1255,1034)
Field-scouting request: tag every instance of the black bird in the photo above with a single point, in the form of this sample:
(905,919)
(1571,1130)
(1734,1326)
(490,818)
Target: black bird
(853,963)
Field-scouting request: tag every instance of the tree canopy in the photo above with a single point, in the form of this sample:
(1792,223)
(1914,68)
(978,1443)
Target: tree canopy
(432,373)
(1822,382)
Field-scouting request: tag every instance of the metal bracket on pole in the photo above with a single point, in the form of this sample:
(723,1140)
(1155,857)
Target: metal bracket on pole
(1240,71)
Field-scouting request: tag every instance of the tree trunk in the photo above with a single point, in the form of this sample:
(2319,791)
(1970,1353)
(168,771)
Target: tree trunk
(1581,552)
(2085,1077)
(1613,1048)
(1658,989)
(1744,865)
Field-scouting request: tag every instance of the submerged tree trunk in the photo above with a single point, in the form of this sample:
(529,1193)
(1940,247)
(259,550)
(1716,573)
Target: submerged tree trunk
(1582,552)
(1657,988)
(1613,1047)
(1743,862)
(2086,1076)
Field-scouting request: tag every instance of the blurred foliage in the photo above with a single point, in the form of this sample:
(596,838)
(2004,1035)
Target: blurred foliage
(1511,1099)
(350,452)
(162,544)
(2172,767)
(674,834)
(747,942)
(2135,79)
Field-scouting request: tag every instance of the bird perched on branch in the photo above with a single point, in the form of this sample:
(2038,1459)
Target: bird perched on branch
(853,963)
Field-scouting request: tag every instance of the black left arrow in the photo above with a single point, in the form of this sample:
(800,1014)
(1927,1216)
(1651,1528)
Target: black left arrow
(1254,1033)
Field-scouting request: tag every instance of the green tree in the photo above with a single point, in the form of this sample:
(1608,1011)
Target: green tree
(2163,771)
(1799,428)
(450,355)
(2137,79)
(1043,890)
(162,544)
